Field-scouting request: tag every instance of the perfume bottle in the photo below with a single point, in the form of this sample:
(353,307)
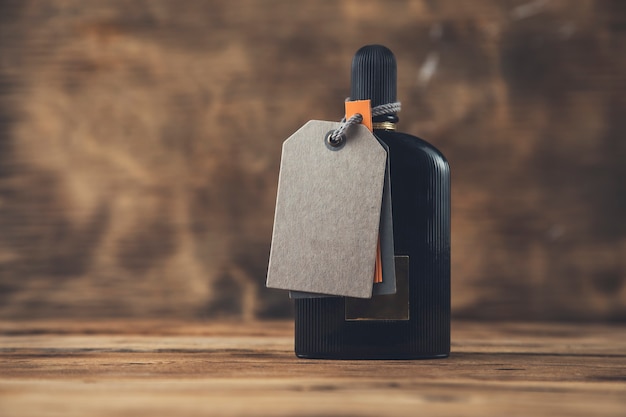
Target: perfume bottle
(414,323)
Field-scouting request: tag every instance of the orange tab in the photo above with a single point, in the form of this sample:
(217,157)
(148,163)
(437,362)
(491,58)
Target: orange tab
(378,266)
(364,108)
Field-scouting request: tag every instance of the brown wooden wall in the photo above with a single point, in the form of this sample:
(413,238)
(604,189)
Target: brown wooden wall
(140,143)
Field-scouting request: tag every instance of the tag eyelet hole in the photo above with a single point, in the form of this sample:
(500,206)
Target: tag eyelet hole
(334,144)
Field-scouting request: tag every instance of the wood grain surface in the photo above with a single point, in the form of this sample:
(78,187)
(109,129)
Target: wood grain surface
(164,368)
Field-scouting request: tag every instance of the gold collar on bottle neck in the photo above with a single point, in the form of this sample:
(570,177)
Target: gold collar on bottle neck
(383,126)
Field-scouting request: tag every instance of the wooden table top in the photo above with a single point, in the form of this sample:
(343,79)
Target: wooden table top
(177,368)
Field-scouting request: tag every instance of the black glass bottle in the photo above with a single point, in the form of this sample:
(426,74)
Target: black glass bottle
(415,322)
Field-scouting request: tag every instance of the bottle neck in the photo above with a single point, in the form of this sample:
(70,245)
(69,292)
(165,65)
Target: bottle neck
(385,122)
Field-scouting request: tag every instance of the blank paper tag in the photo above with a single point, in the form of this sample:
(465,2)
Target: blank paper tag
(328,211)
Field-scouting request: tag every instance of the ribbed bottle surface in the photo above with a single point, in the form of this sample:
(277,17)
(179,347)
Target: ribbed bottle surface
(318,327)
(420,180)
(374,75)
(420,194)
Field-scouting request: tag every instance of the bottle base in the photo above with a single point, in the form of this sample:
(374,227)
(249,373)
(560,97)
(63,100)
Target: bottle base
(335,356)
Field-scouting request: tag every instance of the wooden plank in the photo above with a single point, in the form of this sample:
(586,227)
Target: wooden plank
(159,368)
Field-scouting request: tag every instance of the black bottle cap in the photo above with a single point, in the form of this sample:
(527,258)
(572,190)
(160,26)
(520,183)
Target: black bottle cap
(374,75)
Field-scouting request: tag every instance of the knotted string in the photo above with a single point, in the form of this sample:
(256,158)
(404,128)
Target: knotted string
(357,118)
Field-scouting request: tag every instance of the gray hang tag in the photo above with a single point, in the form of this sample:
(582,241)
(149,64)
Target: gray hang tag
(328,210)
(388,286)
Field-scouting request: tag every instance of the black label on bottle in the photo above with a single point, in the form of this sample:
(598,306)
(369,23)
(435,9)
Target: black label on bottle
(384,307)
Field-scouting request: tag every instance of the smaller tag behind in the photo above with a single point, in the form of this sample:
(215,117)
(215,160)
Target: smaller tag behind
(388,285)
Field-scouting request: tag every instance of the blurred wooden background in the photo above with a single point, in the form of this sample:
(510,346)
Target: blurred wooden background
(140,143)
